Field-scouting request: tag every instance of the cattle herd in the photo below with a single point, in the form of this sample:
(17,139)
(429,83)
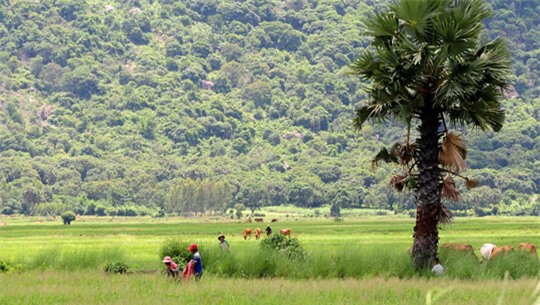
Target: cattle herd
(247,231)
(489,251)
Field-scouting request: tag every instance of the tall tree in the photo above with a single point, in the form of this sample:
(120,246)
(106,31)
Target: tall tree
(429,65)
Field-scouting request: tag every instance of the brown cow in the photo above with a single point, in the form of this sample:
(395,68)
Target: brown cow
(528,247)
(501,250)
(464,248)
(257,233)
(285,232)
(274,220)
(247,233)
(258,220)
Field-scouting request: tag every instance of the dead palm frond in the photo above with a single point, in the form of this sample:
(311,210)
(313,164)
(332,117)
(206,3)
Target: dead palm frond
(398,182)
(444,215)
(453,152)
(404,152)
(471,183)
(449,189)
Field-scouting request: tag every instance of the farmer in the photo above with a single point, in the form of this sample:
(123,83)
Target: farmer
(438,269)
(223,244)
(196,261)
(268,230)
(172,267)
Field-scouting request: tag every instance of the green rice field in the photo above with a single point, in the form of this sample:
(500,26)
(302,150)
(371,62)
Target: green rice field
(355,261)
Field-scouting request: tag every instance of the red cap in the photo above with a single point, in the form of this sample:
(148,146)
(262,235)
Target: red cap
(192,247)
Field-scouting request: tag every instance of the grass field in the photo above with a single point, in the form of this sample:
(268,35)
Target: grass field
(54,287)
(358,261)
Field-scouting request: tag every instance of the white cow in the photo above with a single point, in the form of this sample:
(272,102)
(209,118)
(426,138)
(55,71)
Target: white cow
(486,249)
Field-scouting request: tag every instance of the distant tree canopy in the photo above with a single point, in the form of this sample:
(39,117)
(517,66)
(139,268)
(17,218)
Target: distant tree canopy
(130,107)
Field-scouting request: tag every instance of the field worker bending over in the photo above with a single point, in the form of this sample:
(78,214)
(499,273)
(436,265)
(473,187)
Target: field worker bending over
(196,261)
(438,269)
(223,244)
(172,267)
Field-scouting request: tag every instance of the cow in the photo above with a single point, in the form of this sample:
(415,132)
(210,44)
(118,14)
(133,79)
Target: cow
(247,233)
(274,220)
(257,233)
(486,249)
(463,248)
(285,232)
(528,247)
(258,220)
(501,250)
(490,251)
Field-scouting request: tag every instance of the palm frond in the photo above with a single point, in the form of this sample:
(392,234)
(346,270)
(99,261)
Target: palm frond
(384,155)
(484,114)
(444,215)
(362,115)
(471,183)
(398,182)
(496,63)
(404,152)
(449,189)
(418,16)
(453,152)
(382,27)
(365,65)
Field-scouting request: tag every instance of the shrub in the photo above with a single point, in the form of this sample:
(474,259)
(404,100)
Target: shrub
(116,267)
(68,217)
(4,266)
(290,247)
(177,250)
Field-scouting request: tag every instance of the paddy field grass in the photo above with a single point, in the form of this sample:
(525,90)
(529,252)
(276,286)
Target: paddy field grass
(355,261)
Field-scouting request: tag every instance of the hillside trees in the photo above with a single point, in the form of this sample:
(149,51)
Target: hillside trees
(104,106)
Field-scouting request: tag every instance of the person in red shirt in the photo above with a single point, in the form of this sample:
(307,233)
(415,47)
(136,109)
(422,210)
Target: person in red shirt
(172,267)
(196,261)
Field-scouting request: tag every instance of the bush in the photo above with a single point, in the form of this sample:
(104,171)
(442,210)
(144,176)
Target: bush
(4,266)
(290,247)
(68,217)
(116,267)
(177,250)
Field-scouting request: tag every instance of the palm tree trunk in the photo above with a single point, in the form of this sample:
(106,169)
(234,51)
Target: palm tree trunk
(428,189)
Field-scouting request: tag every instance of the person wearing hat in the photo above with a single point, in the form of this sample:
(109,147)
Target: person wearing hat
(223,244)
(196,261)
(172,267)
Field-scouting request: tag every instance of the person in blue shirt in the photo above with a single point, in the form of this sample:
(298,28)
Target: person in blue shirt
(197,262)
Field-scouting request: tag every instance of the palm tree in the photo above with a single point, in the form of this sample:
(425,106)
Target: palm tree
(430,68)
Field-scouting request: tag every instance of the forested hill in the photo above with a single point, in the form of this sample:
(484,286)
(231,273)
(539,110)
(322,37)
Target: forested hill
(132,107)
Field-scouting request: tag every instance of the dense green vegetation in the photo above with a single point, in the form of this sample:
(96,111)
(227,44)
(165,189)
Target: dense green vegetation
(134,107)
